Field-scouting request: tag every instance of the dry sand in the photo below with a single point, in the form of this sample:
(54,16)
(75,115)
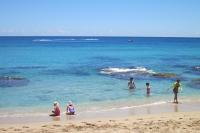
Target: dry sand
(180,122)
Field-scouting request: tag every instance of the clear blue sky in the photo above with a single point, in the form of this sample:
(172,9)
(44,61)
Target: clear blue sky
(100,17)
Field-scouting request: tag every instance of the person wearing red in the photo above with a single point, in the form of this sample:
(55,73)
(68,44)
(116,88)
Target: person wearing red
(56,111)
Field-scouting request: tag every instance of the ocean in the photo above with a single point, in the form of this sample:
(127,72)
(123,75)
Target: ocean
(93,72)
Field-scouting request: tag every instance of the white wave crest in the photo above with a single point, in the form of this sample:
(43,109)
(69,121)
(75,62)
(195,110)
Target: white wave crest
(91,39)
(113,70)
(42,40)
(65,40)
(197,67)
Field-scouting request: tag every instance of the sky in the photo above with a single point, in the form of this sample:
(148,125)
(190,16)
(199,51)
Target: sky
(175,18)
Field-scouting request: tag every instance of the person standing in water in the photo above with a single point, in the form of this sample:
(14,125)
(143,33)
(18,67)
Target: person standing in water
(148,88)
(131,84)
(176,88)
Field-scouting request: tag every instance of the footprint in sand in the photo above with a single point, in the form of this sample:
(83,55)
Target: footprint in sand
(44,126)
(98,121)
(189,125)
(2,129)
(65,130)
(89,124)
(57,125)
(17,129)
(25,127)
(112,120)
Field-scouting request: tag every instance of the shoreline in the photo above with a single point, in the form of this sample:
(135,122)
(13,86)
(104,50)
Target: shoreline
(165,122)
(127,111)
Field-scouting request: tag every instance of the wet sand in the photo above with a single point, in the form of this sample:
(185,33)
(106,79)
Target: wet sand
(106,113)
(169,117)
(183,122)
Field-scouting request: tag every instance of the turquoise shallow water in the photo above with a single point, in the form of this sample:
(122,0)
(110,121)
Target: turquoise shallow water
(76,68)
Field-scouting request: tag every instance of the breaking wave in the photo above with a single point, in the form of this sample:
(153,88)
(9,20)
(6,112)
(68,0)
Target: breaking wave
(197,68)
(115,70)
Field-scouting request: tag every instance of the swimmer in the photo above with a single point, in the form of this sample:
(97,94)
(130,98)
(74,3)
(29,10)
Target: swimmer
(131,84)
(148,88)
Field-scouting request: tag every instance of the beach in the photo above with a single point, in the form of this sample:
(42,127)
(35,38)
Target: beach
(99,66)
(168,122)
(170,117)
(93,73)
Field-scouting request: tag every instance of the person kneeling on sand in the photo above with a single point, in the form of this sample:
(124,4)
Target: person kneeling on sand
(56,111)
(70,109)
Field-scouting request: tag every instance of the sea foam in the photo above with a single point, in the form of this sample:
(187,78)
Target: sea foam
(115,70)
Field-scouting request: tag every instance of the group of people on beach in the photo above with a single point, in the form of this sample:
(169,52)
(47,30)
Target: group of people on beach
(176,88)
(70,110)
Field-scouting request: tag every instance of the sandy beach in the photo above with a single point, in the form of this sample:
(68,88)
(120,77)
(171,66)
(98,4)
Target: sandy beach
(183,122)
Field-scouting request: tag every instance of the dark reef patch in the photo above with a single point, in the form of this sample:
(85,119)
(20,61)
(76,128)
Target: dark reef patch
(139,73)
(13,81)
(164,75)
(72,71)
(9,72)
(180,66)
(29,67)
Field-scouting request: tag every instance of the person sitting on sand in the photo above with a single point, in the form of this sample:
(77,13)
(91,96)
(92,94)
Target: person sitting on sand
(176,88)
(131,84)
(70,108)
(56,111)
(148,88)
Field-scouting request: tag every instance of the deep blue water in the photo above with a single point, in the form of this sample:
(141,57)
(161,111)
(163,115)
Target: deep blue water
(44,69)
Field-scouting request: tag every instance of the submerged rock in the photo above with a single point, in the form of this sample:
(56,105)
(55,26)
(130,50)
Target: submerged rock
(164,75)
(136,73)
(195,83)
(69,71)
(13,81)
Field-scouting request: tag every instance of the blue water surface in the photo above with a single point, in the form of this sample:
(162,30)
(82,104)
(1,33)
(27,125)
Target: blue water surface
(70,68)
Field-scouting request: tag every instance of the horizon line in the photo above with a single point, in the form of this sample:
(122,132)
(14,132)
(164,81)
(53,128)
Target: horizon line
(96,36)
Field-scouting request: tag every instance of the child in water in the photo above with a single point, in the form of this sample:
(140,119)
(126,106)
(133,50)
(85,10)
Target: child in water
(148,88)
(131,84)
